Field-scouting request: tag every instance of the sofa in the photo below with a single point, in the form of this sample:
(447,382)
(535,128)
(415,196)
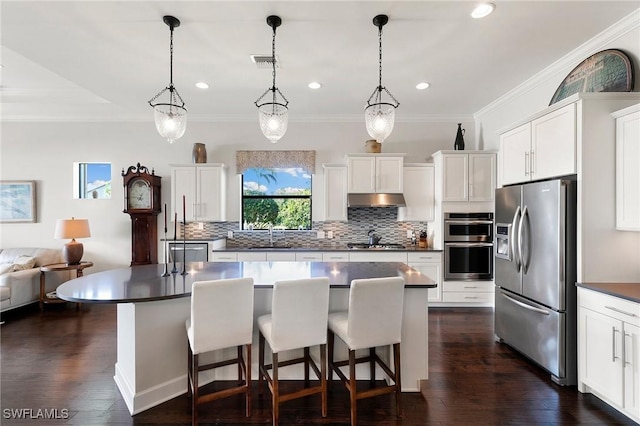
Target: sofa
(20,275)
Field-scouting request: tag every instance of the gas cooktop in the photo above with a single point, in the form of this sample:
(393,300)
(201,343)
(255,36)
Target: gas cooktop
(365,246)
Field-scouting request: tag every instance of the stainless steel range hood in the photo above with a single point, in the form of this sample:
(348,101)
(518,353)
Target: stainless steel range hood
(375,200)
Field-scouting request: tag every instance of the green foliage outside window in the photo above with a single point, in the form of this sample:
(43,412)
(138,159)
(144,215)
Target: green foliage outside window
(276,197)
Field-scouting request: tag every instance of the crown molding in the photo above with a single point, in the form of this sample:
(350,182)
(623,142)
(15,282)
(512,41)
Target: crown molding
(601,41)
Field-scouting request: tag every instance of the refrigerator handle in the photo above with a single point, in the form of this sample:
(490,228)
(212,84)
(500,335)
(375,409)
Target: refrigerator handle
(524,305)
(512,238)
(525,212)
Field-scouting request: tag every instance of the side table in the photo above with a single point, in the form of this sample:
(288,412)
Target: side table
(44,298)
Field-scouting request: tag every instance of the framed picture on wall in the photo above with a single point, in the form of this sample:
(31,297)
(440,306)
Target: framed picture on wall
(17,201)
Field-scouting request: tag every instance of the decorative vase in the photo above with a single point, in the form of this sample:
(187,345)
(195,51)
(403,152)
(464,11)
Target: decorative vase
(372,146)
(199,153)
(459,143)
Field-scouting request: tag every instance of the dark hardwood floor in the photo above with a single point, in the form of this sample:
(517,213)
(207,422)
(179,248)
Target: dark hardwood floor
(64,360)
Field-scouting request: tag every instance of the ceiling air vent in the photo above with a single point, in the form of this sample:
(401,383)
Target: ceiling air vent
(264,61)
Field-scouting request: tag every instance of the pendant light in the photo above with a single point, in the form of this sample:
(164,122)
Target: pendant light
(170,116)
(380,114)
(273,113)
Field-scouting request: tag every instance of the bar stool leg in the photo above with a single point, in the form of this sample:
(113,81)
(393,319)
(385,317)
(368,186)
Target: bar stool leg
(372,365)
(275,391)
(352,387)
(260,363)
(189,369)
(306,366)
(323,378)
(396,362)
(247,366)
(194,399)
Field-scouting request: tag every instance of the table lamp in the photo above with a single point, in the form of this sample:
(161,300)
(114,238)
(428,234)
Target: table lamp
(72,228)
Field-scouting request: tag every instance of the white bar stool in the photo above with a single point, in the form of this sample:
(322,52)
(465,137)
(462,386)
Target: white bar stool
(298,319)
(374,319)
(221,317)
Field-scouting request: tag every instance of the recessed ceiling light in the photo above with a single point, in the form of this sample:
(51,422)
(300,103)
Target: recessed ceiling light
(202,85)
(423,85)
(314,85)
(483,10)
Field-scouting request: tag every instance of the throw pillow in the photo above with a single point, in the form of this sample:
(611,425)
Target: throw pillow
(5,267)
(23,262)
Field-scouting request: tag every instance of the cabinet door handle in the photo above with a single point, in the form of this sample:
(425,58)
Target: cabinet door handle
(526,163)
(470,286)
(613,335)
(533,163)
(624,348)
(613,308)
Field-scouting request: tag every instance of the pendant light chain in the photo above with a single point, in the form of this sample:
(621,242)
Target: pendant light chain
(380,57)
(171,60)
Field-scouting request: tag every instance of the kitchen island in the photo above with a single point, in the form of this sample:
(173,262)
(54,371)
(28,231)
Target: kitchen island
(151,361)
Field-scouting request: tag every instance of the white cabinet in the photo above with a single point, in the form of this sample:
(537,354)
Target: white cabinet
(309,256)
(468,176)
(628,168)
(203,188)
(374,173)
(542,148)
(462,293)
(608,352)
(335,192)
(419,187)
(429,264)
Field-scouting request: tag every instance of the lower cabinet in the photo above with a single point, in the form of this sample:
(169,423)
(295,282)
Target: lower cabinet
(608,352)
(429,264)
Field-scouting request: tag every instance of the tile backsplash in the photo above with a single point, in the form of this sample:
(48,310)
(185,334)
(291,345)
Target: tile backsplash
(361,220)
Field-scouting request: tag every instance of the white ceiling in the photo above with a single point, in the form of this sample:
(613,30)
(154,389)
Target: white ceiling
(103,60)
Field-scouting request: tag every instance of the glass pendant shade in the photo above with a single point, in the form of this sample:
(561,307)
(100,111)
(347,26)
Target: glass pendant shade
(379,119)
(274,119)
(171,121)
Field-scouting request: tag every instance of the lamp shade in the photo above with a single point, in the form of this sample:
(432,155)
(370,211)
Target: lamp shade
(72,228)
(379,119)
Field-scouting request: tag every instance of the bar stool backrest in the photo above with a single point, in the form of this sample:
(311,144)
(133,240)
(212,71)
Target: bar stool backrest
(375,312)
(299,310)
(221,314)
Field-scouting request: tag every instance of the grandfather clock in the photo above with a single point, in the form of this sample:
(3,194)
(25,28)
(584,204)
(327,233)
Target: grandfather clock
(142,203)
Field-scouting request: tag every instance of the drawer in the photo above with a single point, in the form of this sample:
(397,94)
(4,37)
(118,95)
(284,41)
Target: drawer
(615,307)
(469,286)
(484,298)
(309,257)
(279,256)
(335,257)
(224,257)
(254,256)
(378,256)
(424,257)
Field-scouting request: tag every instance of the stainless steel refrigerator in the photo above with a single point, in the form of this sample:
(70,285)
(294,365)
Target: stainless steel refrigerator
(535,274)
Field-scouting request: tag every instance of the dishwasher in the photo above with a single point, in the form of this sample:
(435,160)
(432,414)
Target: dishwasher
(190,252)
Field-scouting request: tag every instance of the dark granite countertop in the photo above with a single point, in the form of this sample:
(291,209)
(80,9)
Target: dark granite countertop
(145,283)
(327,248)
(627,291)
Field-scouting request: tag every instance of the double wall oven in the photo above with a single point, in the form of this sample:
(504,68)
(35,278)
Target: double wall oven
(468,246)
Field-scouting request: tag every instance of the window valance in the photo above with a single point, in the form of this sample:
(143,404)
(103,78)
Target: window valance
(275,159)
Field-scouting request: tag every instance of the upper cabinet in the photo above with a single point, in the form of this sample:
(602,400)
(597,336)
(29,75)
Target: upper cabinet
(466,176)
(335,192)
(628,168)
(203,187)
(375,173)
(542,148)
(419,193)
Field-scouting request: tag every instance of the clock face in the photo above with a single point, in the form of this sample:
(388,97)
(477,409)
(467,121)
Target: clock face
(139,194)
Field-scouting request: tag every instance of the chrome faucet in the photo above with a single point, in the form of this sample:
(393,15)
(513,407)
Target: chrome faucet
(271,235)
